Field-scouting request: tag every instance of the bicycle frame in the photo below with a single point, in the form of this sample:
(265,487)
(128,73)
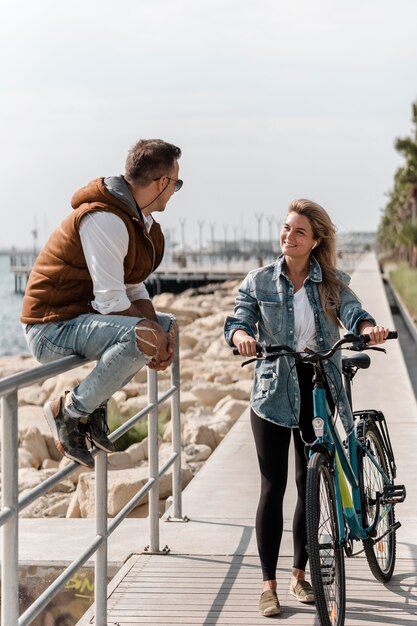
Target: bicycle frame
(345,468)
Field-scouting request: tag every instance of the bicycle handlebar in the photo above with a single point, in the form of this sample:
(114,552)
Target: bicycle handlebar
(359,342)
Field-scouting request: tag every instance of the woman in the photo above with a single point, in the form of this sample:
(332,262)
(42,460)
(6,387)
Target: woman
(300,300)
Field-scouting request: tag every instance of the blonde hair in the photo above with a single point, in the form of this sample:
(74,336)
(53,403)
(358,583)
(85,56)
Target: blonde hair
(324,231)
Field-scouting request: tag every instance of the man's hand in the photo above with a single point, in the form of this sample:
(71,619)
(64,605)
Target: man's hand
(153,341)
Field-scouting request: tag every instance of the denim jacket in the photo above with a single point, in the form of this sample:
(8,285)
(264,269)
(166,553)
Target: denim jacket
(265,309)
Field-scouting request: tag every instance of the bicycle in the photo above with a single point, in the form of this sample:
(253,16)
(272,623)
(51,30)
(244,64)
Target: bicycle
(350,493)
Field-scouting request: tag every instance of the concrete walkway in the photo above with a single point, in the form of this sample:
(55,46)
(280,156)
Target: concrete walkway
(212,574)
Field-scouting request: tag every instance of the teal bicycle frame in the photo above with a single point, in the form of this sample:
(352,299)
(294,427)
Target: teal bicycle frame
(348,503)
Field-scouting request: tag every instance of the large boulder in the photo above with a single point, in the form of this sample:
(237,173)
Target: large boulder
(31,416)
(51,505)
(209,394)
(230,406)
(122,486)
(33,441)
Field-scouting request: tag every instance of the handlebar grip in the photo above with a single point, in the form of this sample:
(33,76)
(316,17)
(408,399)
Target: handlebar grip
(391,335)
(258,349)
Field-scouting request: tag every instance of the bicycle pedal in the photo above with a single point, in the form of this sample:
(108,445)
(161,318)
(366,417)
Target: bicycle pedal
(393,494)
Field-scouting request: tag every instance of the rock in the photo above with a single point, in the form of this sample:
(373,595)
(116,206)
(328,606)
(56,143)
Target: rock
(117,398)
(118,461)
(32,441)
(33,395)
(163,302)
(135,390)
(76,473)
(49,464)
(188,341)
(53,505)
(230,406)
(25,459)
(33,416)
(73,509)
(187,400)
(122,486)
(210,394)
(138,452)
(196,452)
(131,406)
(29,478)
(57,385)
(13,364)
(205,428)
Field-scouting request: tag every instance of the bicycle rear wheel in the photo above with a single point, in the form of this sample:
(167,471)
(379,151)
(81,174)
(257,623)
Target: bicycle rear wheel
(327,565)
(381,553)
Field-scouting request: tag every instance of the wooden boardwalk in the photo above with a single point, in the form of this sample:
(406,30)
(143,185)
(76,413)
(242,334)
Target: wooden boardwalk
(204,591)
(212,575)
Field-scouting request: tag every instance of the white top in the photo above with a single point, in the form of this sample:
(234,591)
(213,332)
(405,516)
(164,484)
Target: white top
(305,329)
(105,241)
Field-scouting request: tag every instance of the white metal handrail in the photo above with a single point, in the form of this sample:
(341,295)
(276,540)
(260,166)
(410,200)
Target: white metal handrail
(12,505)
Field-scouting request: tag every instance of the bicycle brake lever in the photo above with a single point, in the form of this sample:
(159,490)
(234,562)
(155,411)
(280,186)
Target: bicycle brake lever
(255,358)
(377,349)
(261,357)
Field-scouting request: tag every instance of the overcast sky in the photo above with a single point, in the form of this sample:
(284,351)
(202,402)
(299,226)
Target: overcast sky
(268,100)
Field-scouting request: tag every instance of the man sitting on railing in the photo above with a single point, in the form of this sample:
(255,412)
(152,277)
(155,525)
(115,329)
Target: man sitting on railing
(86,295)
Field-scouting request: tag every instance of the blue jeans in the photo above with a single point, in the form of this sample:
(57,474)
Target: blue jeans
(108,339)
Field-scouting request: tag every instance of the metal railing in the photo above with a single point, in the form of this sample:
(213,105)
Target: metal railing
(12,505)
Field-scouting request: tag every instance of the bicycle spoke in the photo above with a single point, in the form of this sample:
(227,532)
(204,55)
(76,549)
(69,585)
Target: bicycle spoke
(325,553)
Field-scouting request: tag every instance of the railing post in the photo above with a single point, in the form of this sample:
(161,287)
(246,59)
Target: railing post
(100,569)
(153,460)
(176,434)
(10,530)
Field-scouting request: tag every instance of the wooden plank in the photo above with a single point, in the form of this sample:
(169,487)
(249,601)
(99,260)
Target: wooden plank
(225,591)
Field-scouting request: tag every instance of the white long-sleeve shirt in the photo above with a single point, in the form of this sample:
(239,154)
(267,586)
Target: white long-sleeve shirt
(105,241)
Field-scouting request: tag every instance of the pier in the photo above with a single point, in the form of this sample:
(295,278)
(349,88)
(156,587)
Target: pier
(209,572)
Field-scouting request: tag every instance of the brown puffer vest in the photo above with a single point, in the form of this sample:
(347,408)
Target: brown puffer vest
(60,286)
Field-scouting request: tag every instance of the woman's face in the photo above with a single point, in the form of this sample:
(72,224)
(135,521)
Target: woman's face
(296,237)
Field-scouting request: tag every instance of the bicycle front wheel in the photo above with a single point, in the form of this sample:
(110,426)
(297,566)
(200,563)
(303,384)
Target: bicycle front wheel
(327,565)
(380,552)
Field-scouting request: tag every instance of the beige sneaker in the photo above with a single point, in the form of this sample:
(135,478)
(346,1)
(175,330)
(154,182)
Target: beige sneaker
(303,591)
(269,603)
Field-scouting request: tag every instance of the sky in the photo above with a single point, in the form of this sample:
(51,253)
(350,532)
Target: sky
(268,100)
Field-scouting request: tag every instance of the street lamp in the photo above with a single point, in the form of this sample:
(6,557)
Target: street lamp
(183,259)
(212,225)
(200,238)
(259,217)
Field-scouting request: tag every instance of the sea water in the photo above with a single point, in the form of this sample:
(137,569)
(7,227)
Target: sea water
(12,340)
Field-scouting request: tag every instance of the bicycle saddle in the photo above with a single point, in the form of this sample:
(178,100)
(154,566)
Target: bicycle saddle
(361,361)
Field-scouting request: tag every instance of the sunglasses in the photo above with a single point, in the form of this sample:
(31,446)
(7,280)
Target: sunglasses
(178,183)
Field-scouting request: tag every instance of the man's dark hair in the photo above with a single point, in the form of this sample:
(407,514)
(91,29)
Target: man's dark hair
(149,159)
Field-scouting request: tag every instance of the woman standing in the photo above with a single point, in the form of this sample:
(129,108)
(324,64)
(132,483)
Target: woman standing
(301,300)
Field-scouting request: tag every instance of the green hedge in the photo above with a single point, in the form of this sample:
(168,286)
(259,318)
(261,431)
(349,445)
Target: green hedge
(404,280)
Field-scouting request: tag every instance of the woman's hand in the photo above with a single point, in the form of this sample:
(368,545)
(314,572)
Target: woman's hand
(377,334)
(244,343)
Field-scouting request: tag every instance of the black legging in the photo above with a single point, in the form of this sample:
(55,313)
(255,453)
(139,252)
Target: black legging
(272,444)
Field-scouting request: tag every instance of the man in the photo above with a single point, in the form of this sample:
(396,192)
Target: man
(86,295)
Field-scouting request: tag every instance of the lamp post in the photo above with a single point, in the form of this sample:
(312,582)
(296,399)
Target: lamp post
(270,219)
(182,259)
(200,239)
(212,225)
(259,217)
(225,229)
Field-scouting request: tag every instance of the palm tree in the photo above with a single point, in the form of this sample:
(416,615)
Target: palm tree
(397,232)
